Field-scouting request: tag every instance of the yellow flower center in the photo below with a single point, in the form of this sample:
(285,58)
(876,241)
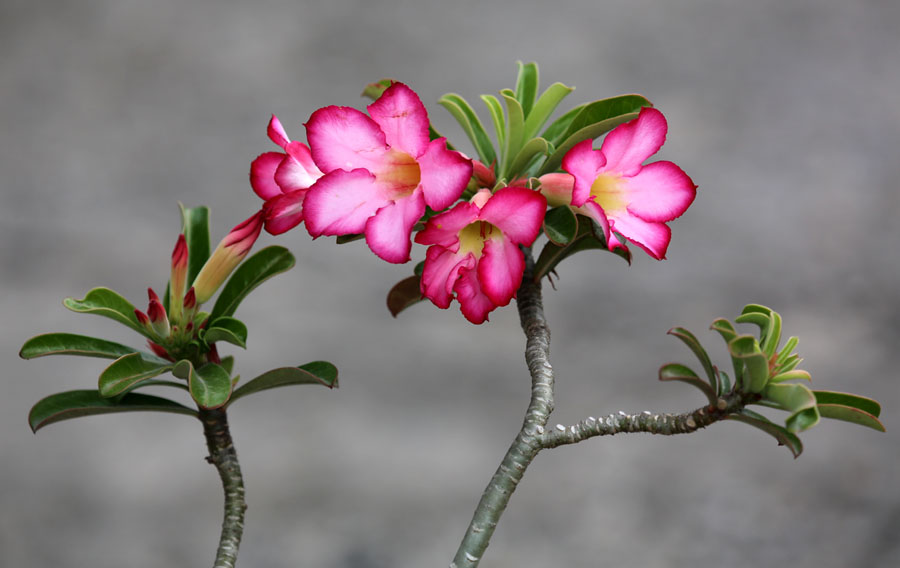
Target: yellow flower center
(472,237)
(609,192)
(400,175)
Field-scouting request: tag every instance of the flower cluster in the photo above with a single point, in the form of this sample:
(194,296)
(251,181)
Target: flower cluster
(382,175)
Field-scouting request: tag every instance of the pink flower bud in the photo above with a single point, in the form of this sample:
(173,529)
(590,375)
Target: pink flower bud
(158,319)
(178,278)
(142,318)
(230,252)
(159,350)
(190,300)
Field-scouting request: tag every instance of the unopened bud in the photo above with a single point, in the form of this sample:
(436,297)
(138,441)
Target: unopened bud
(230,252)
(178,279)
(158,319)
(557,188)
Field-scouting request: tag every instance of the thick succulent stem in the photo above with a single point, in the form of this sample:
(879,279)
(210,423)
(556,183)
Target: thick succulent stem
(223,456)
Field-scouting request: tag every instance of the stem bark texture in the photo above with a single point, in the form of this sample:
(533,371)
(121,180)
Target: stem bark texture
(224,457)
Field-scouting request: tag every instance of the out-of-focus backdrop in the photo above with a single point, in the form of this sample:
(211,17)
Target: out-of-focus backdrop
(787,116)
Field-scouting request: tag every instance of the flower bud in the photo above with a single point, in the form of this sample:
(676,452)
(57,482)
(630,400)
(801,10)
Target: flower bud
(557,188)
(230,252)
(178,279)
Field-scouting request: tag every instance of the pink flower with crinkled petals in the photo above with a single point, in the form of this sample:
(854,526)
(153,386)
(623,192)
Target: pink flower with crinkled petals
(381,171)
(612,185)
(474,250)
(282,178)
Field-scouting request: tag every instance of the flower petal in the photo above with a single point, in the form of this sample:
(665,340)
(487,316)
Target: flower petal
(660,192)
(341,202)
(629,144)
(517,211)
(387,233)
(262,174)
(441,272)
(473,303)
(343,138)
(444,174)
(284,212)
(652,237)
(403,119)
(500,270)
(443,229)
(583,162)
(276,132)
(595,212)
(298,171)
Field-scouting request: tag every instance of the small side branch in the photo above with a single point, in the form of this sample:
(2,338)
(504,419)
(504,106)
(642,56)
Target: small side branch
(223,456)
(662,424)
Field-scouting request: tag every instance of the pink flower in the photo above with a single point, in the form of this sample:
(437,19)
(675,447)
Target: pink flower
(282,179)
(380,172)
(475,249)
(613,187)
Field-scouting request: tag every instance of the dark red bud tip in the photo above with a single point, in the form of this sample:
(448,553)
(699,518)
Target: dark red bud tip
(213,355)
(152,295)
(190,299)
(180,254)
(141,317)
(189,327)
(156,311)
(159,350)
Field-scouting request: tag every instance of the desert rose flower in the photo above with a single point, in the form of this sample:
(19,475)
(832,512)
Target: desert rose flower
(474,250)
(381,171)
(282,178)
(612,185)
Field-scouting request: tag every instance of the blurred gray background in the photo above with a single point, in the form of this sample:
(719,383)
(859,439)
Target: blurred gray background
(785,114)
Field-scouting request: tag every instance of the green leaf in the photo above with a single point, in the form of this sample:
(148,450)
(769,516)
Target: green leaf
(462,111)
(107,303)
(802,420)
(527,86)
(515,132)
(403,295)
(863,403)
(419,269)
(376,89)
(786,351)
(210,385)
(561,225)
(227,363)
(315,373)
(693,344)
(797,399)
(128,371)
(727,331)
(499,119)
(72,344)
(747,350)
(557,129)
(227,329)
(784,437)
(773,335)
(73,404)
(344,239)
(678,372)
(544,107)
(850,414)
(790,376)
(526,156)
(195,225)
(588,237)
(251,273)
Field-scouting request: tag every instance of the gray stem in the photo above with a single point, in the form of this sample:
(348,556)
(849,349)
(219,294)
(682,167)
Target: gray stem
(529,440)
(223,456)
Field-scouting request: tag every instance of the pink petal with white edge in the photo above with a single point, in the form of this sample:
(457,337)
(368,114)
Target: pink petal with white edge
(262,174)
(652,237)
(630,144)
(276,132)
(500,270)
(443,229)
(518,212)
(284,212)
(298,171)
(444,174)
(343,138)
(473,303)
(659,192)
(583,162)
(388,232)
(340,203)
(403,119)
(440,274)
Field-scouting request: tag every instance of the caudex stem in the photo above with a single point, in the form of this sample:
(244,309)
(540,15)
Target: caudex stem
(224,457)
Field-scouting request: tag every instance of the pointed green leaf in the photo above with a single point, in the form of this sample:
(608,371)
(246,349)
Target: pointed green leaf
(797,399)
(376,89)
(797,374)
(746,349)
(557,129)
(210,385)
(727,331)
(72,344)
(404,294)
(773,335)
(786,351)
(195,225)
(535,147)
(73,404)
(315,373)
(343,239)
(419,269)
(107,303)
(499,119)
(527,86)
(227,329)
(561,225)
(128,371)
(693,344)
(462,111)
(789,364)
(251,273)
(724,381)
(850,414)
(544,107)
(785,438)
(863,403)
(678,372)
(515,131)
